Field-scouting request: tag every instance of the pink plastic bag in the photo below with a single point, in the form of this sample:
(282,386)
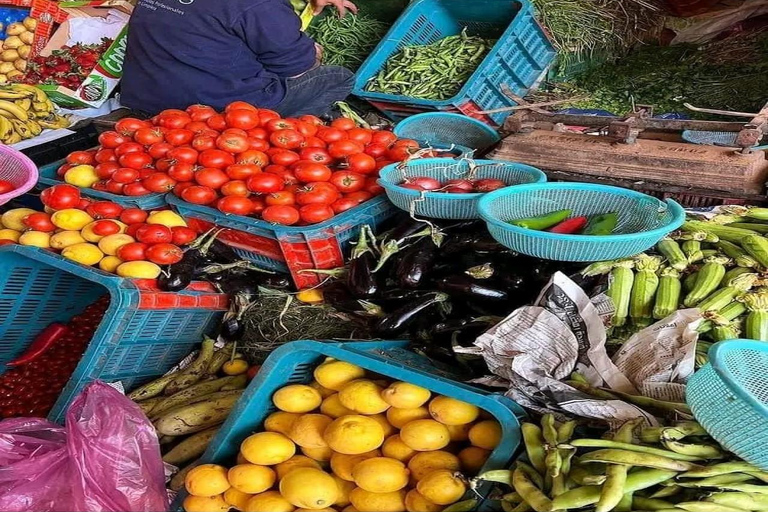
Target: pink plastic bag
(106,459)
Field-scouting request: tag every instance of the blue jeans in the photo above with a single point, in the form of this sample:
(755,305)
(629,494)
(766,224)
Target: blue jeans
(315,91)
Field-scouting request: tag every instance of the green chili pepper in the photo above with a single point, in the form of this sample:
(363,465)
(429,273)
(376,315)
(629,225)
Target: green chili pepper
(601,225)
(542,222)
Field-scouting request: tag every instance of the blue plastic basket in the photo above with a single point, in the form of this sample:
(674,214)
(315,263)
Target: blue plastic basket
(294,363)
(442,128)
(643,220)
(519,58)
(289,248)
(48,179)
(441,205)
(729,397)
(143,334)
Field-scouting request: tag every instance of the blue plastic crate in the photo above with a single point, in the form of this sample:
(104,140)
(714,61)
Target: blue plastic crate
(48,179)
(519,59)
(142,335)
(294,362)
(289,248)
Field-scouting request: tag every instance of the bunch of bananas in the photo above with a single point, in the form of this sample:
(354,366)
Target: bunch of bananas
(25,111)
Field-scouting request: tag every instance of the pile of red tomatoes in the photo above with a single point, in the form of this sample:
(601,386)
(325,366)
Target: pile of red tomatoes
(246,161)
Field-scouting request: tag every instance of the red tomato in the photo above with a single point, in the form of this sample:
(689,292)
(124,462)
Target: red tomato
(240,105)
(311,120)
(317,193)
(6,186)
(242,171)
(39,222)
(286,139)
(306,129)
(265,183)
(105,155)
(114,187)
(164,164)
(284,157)
(235,205)
(197,127)
(174,119)
(314,213)
(245,119)
(110,140)
(128,147)
(216,158)
(128,125)
(253,156)
(406,143)
(154,234)
(281,214)
(347,181)
(200,112)
(400,153)
(164,254)
(286,174)
(146,172)
(373,187)
(159,150)
(258,205)
(281,197)
(60,197)
(80,158)
(179,136)
(136,160)
(488,185)
(362,163)
(135,189)
(383,137)
(361,135)
(381,163)
(343,123)
(307,171)
(104,210)
(211,177)
(182,171)
(203,142)
(235,188)
(258,133)
(233,143)
(148,136)
(343,204)
(375,150)
(328,134)
(105,228)
(182,235)
(236,131)
(183,154)
(105,170)
(359,197)
(182,186)
(159,182)
(198,195)
(317,155)
(62,170)
(344,148)
(279,124)
(134,251)
(217,122)
(313,142)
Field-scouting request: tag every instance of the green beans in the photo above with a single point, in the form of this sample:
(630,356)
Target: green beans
(347,41)
(534,445)
(435,71)
(529,492)
(604,443)
(616,475)
(587,495)
(723,468)
(647,460)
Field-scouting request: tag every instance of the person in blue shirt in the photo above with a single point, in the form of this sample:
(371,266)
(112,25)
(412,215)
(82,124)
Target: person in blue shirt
(214,52)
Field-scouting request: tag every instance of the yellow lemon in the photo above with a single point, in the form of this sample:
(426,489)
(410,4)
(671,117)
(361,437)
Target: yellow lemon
(205,504)
(137,269)
(110,263)
(324,392)
(322,454)
(207,480)
(270,501)
(345,487)
(297,461)
(378,501)
(81,176)
(381,419)
(85,253)
(307,431)
(442,486)
(12,235)
(111,243)
(298,398)
(405,395)
(399,417)
(395,448)
(415,502)
(334,374)
(310,296)
(459,433)
(363,396)
(280,421)
(354,434)
(250,478)
(332,407)
(64,239)
(37,239)
(71,219)
(473,459)
(380,474)
(236,498)
(485,434)
(450,411)
(267,448)
(425,435)
(166,218)
(235,367)
(309,488)
(342,464)
(424,463)
(14,219)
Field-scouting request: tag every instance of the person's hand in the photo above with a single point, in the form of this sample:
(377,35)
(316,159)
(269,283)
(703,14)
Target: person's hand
(318,54)
(340,5)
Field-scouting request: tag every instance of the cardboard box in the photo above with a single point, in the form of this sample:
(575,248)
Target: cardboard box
(99,84)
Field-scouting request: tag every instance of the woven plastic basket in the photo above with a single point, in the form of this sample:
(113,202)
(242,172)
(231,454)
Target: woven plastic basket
(729,397)
(441,205)
(16,168)
(444,129)
(643,220)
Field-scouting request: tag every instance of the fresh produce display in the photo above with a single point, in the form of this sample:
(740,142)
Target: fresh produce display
(435,71)
(347,41)
(675,467)
(33,381)
(6,186)
(16,49)
(454,186)
(128,242)
(68,66)
(346,438)
(562,221)
(26,111)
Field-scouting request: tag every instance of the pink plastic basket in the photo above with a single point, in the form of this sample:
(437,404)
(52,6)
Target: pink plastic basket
(19,170)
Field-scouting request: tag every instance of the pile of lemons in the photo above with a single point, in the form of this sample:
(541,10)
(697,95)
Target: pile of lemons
(351,442)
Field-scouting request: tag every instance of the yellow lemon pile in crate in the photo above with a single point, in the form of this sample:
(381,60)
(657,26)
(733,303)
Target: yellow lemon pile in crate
(349,443)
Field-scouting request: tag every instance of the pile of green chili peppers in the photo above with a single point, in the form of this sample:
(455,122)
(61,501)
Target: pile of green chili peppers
(347,41)
(435,71)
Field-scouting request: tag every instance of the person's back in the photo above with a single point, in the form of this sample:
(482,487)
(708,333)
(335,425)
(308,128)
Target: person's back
(182,52)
